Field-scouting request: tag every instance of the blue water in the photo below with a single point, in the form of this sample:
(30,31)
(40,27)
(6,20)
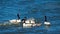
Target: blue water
(30,8)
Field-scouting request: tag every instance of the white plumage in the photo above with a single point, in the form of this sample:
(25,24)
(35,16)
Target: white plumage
(14,21)
(47,23)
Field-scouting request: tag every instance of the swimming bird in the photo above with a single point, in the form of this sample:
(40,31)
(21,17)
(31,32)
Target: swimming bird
(46,22)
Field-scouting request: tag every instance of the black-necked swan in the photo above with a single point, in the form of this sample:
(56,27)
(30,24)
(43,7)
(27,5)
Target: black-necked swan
(46,22)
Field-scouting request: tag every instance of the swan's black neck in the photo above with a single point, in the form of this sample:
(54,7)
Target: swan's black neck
(25,18)
(18,16)
(45,18)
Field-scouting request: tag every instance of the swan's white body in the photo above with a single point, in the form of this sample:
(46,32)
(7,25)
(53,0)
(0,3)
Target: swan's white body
(47,23)
(30,25)
(30,21)
(14,21)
